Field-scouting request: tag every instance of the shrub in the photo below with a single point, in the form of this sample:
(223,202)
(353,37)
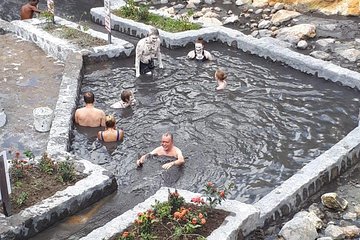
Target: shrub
(19,167)
(47,165)
(66,171)
(22,198)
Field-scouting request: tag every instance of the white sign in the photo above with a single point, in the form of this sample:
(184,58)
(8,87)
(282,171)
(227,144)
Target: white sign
(107,15)
(50,6)
(3,154)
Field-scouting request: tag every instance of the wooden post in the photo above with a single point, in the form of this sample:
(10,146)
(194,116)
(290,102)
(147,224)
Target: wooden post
(5,198)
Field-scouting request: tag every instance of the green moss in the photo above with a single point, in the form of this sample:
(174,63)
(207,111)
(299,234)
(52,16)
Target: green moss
(142,14)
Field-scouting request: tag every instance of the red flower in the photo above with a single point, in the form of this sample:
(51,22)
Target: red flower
(203,221)
(125,234)
(201,215)
(222,194)
(194,221)
(210,184)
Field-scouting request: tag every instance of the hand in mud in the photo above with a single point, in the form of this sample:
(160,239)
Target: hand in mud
(139,163)
(168,165)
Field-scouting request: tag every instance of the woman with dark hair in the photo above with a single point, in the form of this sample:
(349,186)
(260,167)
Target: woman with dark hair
(199,53)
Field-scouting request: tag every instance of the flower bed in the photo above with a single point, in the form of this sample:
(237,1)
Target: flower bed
(176,219)
(142,14)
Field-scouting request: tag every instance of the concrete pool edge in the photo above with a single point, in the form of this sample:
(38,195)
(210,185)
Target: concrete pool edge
(97,184)
(264,47)
(241,215)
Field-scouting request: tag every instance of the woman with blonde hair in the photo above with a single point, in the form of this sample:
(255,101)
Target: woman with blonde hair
(110,134)
(220,77)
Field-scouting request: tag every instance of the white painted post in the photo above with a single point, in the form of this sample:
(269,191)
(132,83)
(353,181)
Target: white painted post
(108,18)
(5,188)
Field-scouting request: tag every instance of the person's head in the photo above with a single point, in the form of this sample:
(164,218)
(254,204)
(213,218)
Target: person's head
(89,98)
(199,46)
(153,35)
(110,121)
(167,141)
(220,75)
(33,2)
(126,96)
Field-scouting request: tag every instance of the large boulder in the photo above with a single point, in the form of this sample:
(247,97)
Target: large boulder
(351,54)
(351,231)
(296,33)
(301,227)
(208,22)
(335,232)
(320,55)
(333,201)
(260,3)
(283,16)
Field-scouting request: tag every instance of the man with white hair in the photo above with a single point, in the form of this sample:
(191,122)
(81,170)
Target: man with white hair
(147,49)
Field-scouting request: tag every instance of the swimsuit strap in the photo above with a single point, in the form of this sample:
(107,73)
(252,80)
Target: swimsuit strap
(102,135)
(117,135)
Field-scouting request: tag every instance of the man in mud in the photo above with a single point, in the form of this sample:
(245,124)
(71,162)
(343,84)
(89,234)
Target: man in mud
(147,49)
(27,11)
(89,116)
(168,149)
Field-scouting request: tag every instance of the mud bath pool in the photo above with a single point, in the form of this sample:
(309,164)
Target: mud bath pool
(268,123)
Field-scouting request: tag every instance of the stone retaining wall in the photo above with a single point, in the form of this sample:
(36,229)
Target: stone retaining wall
(60,48)
(242,219)
(264,47)
(98,184)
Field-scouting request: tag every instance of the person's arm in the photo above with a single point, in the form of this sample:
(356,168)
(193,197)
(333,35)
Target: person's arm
(138,52)
(99,135)
(35,9)
(208,55)
(102,121)
(159,56)
(178,162)
(76,117)
(141,160)
(191,54)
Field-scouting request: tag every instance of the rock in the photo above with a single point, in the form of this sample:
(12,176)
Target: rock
(258,11)
(205,10)
(274,28)
(253,25)
(302,44)
(255,33)
(295,33)
(246,15)
(217,9)
(351,231)
(230,12)
(317,222)
(264,24)
(206,21)
(278,6)
(350,216)
(324,43)
(334,232)
(325,238)
(352,55)
(164,1)
(260,3)
(211,15)
(267,10)
(179,6)
(283,16)
(209,1)
(2,117)
(265,33)
(333,201)
(357,209)
(231,19)
(316,210)
(299,228)
(190,5)
(242,2)
(198,14)
(320,55)
(227,2)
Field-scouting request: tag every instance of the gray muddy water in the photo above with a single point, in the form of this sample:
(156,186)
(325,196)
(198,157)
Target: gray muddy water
(268,123)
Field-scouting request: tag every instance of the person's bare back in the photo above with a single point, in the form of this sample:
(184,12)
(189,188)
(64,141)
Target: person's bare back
(27,11)
(89,117)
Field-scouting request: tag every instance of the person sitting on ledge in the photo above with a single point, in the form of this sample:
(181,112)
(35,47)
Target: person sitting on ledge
(89,116)
(127,99)
(199,54)
(167,148)
(27,11)
(111,134)
(146,50)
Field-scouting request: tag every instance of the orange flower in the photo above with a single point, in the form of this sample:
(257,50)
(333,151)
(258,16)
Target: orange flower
(203,221)
(125,234)
(140,214)
(201,215)
(177,215)
(194,221)
(222,194)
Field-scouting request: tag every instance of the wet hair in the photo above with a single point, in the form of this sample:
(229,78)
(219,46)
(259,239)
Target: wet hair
(200,40)
(89,97)
(126,95)
(168,134)
(110,121)
(220,74)
(154,31)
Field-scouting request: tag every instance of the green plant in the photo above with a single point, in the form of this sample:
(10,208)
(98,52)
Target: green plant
(19,167)
(175,200)
(214,196)
(18,184)
(49,17)
(22,198)
(66,171)
(29,154)
(47,165)
(162,209)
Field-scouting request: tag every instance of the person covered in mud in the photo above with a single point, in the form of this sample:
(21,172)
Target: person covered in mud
(168,149)
(147,49)
(221,79)
(111,134)
(27,11)
(89,116)
(126,99)
(199,53)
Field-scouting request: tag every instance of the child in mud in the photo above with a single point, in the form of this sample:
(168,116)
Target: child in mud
(27,10)
(127,99)
(220,77)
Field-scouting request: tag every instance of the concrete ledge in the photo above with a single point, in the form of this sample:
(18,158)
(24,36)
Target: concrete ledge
(243,218)
(328,166)
(98,184)
(60,48)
